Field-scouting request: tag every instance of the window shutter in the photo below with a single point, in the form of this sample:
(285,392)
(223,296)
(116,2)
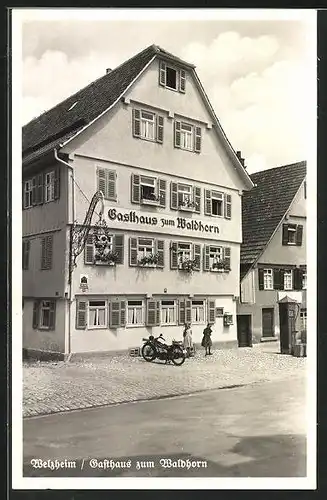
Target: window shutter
(228,206)
(207,202)
(177,126)
(277,280)
(81,314)
(133,251)
(197,256)
(285,234)
(181,312)
(162,192)
(26,253)
(173,255)
(101,181)
(297,279)
(115,314)
(43,253)
(57,183)
(111,185)
(160,251)
(119,247)
(122,313)
(52,315)
(227,256)
(49,251)
(173,196)
(136,123)
(260,274)
(136,188)
(182,81)
(197,199)
(281,279)
(211,311)
(151,317)
(206,258)
(36,306)
(34,191)
(299,233)
(40,189)
(198,140)
(24,197)
(188,311)
(160,128)
(162,73)
(89,250)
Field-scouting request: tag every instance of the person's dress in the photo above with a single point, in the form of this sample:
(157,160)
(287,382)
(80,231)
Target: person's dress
(188,340)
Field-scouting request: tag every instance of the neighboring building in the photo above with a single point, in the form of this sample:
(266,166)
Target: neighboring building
(146,136)
(273,252)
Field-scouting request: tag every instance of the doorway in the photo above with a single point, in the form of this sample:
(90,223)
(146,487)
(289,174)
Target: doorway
(268,324)
(244,335)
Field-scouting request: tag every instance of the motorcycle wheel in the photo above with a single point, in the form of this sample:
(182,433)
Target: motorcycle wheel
(148,352)
(177,356)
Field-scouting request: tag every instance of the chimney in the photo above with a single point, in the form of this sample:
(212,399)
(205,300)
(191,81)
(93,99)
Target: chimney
(239,156)
(108,70)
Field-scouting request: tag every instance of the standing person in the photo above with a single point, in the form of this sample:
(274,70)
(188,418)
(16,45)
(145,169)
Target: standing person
(206,341)
(188,343)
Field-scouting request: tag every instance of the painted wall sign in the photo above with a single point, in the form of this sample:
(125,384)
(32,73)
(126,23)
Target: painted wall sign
(162,222)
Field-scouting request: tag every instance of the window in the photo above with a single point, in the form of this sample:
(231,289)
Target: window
(28,188)
(145,248)
(104,249)
(185,197)
(97,314)
(148,125)
(106,183)
(288,280)
(49,186)
(148,190)
(303,319)
(184,194)
(187,136)
(292,234)
(135,313)
(168,312)
(217,204)
(46,252)
(184,253)
(147,252)
(47,315)
(215,257)
(304,280)
(185,256)
(198,311)
(268,279)
(172,78)
(26,252)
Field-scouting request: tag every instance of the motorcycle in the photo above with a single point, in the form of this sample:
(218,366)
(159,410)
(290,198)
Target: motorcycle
(156,348)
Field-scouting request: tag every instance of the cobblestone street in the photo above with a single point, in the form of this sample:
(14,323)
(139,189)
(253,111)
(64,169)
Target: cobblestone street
(54,387)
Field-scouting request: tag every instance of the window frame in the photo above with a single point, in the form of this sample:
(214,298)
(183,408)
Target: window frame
(211,262)
(180,262)
(304,280)
(41,317)
(163,307)
(51,185)
(187,133)
(97,308)
(203,304)
(291,230)
(181,193)
(214,197)
(29,192)
(303,319)
(140,255)
(288,273)
(268,272)
(149,201)
(176,89)
(143,312)
(146,121)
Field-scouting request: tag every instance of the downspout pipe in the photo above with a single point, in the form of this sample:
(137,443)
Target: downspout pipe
(60,160)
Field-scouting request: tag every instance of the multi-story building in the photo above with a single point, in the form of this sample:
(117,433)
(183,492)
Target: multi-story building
(273,252)
(144,144)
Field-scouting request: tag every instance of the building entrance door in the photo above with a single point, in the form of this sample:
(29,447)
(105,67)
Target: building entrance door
(244,335)
(268,329)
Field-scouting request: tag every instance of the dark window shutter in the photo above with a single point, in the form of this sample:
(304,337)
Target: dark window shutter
(227,256)
(177,133)
(277,280)
(182,81)
(160,252)
(228,206)
(297,279)
(136,123)
(160,128)
(211,311)
(162,192)
(206,258)
(119,247)
(136,188)
(198,140)
(260,274)
(26,253)
(89,250)
(197,256)
(111,193)
(173,196)
(133,251)
(281,279)
(43,253)
(207,202)
(81,314)
(151,316)
(52,315)
(34,191)
(285,234)
(197,199)
(36,308)
(40,189)
(188,311)
(162,73)
(173,255)
(114,314)
(49,251)
(122,313)
(57,183)
(101,181)
(181,312)
(158,312)
(299,234)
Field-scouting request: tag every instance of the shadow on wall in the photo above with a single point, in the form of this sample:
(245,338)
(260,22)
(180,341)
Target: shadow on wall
(268,456)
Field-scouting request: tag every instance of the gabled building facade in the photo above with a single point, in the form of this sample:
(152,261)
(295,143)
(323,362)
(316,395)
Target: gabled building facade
(131,213)
(273,252)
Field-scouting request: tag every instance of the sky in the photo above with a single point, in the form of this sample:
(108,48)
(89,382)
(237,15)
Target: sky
(255,72)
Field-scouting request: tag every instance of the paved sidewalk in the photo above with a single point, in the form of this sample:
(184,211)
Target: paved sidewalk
(55,387)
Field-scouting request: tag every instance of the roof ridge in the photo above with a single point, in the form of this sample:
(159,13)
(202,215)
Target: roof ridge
(297,163)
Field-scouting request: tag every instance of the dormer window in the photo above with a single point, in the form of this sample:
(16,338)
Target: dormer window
(172,78)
